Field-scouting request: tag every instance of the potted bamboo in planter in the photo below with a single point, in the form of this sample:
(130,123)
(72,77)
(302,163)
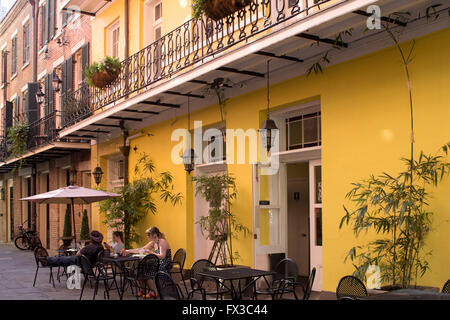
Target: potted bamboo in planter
(67,236)
(397,209)
(102,74)
(220,225)
(218,9)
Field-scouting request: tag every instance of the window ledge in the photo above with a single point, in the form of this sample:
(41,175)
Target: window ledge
(42,50)
(13,76)
(26,64)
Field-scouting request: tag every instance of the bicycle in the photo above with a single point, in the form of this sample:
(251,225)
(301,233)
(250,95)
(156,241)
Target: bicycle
(27,239)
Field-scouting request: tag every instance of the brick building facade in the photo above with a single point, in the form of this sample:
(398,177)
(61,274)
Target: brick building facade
(63,50)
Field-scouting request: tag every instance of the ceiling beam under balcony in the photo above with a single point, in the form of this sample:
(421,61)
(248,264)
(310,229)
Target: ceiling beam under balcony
(191,95)
(385,19)
(273,55)
(208,83)
(106,125)
(93,131)
(324,40)
(140,111)
(87,137)
(92,14)
(246,72)
(124,118)
(160,104)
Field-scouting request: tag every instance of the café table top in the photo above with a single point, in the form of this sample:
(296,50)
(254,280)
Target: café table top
(120,259)
(409,294)
(235,273)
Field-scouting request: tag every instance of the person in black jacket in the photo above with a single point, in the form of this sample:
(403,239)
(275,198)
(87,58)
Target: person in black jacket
(91,251)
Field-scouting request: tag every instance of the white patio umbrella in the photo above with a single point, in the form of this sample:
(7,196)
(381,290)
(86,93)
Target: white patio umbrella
(71,195)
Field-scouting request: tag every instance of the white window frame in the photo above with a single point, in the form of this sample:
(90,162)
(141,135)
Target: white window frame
(109,39)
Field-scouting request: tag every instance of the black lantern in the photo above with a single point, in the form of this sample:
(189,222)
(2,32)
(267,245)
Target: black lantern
(40,96)
(97,173)
(189,160)
(268,128)
(268,133)
(56,82)
(189,154)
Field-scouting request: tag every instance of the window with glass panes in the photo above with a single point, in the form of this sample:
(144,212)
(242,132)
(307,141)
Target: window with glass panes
(303,131)
(14,56)
(26,43)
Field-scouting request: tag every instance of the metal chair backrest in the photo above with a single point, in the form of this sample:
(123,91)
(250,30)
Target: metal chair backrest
(446,287)
(148,267)
(86,266)
(39,253)
(199,266)
(179,258)
(309,284)
(352,287)
(286,269)
(167,289)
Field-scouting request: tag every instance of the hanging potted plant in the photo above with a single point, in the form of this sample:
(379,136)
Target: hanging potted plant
(102,74)
(218,9)
(17,139)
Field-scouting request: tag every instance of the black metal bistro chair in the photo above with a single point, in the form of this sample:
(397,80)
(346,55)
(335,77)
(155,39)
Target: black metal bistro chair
(307,288)
(206,286)
(40,256)
(350,287)
(146,269)
(446,287)
(284,281)
(178,261)
(167,288)
(96,274)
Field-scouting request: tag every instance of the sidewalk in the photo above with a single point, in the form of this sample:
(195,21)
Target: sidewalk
(17,270)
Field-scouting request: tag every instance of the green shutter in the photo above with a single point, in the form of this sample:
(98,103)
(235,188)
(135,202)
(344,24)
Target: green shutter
(51,21)
(31,107)
(84,58)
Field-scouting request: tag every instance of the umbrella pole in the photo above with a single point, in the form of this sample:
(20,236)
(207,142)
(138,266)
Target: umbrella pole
(74,230)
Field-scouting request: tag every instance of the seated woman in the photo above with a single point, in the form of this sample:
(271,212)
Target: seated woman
(90,251)
(117,244)
(160,247)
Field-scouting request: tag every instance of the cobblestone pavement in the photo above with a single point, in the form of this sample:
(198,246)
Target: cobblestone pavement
(17,270)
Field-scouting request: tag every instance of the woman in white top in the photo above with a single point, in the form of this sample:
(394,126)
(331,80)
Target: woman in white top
(117,244)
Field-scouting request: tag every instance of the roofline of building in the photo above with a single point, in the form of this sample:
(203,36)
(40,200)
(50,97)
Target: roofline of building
(12,15)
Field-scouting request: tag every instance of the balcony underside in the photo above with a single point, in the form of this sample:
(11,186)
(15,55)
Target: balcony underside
(293,47)
(42,154)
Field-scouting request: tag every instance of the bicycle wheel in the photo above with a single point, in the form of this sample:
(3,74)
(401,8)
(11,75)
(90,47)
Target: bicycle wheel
(21,243)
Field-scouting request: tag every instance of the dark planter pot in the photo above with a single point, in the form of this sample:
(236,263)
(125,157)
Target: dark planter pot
(67,241)
(104,78)
(219,9)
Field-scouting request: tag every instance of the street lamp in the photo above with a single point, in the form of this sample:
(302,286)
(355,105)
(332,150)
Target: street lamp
(189,154)
(56,83)
(189,160)
(97,173)
(40,96)
(268,128)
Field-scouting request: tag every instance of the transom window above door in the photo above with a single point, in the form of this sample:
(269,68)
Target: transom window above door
(303,131)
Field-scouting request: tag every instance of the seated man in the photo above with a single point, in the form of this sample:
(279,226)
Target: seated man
(91,251)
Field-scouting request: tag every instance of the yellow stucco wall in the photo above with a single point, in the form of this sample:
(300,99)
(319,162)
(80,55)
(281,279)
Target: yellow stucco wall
(175,12)
(365,121)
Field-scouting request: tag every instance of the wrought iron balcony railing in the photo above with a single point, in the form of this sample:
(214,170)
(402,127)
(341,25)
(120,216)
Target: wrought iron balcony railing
(180,49)
(38,133)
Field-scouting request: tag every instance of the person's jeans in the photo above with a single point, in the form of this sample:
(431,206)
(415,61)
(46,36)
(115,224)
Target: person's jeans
(63,261)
